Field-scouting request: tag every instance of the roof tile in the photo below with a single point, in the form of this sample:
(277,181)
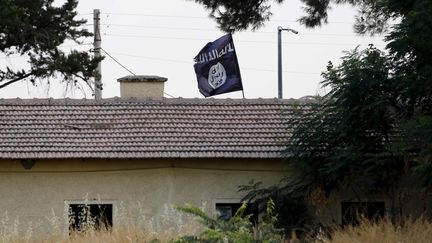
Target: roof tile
(145,128)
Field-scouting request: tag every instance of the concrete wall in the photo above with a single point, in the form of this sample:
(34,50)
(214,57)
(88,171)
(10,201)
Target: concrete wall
(136,188)
(141,89)
(142,86)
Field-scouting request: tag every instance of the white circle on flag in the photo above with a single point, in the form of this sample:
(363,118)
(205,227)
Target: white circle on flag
(217,75)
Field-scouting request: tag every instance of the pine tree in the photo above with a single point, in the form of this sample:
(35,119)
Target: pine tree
(34,29)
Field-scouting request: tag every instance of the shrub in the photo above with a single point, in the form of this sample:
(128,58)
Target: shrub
(237,229)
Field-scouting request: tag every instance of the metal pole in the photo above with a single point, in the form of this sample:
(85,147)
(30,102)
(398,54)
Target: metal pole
(279,62)
(280,29)
(97,42)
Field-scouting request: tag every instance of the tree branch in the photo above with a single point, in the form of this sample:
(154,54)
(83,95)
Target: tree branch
(15,80)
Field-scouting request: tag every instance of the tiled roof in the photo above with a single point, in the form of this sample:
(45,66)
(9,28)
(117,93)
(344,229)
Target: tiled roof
(146,128)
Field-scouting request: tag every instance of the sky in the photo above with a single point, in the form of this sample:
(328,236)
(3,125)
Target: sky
(162,37)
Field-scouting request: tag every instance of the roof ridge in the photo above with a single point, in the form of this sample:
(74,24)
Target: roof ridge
(180,100)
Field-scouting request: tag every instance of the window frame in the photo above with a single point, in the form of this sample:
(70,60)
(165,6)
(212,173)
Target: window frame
(228,201)
(67,203)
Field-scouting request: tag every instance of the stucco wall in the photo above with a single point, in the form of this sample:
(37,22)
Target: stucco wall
(141,90)
(136,188)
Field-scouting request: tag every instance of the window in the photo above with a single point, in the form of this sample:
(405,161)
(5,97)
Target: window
(90,216)
(352,212)
(228,210)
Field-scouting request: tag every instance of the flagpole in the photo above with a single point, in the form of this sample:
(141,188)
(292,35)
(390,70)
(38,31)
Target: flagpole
(238,67)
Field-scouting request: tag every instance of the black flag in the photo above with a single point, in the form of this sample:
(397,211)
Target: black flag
(217,69)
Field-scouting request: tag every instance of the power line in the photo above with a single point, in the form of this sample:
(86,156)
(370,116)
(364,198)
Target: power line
(244,41)
(274,71)
(155,37)
(158,15)
(154,58)
(215,30)
(295,21)
(191,62)
(159,27)
(201,17)
(82,44)
(61,46)
(118,62)
(128,69)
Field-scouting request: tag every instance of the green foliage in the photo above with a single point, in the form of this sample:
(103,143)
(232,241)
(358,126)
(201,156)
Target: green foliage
(237,229)
(232,15)
(418,144)
(375,125)
(410,51)
(35,29)
(348,142)
(293,212)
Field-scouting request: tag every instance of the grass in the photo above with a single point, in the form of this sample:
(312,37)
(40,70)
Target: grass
(174,224)
(416,231)
(121,235)
(131,226)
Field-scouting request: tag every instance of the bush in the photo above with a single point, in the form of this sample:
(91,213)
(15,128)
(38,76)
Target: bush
(238,229)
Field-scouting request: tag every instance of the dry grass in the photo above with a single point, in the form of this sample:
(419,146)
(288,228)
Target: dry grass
(123,235)
(412,231)
(118,236)
(418,231)
(131,226)
(173,224)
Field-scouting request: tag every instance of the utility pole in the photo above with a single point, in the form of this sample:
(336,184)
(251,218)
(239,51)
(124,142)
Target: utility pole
(97,53)
(280,29)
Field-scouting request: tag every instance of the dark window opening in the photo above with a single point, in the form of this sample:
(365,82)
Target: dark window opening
(353,212)
(90,217)
(228,210)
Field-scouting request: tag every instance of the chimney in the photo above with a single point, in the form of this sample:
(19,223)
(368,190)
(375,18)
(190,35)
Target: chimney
(142,86)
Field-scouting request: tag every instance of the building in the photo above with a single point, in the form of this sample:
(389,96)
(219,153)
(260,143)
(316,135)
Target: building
(57,155)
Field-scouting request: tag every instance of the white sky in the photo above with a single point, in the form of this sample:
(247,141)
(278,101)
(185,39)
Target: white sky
(162,37)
